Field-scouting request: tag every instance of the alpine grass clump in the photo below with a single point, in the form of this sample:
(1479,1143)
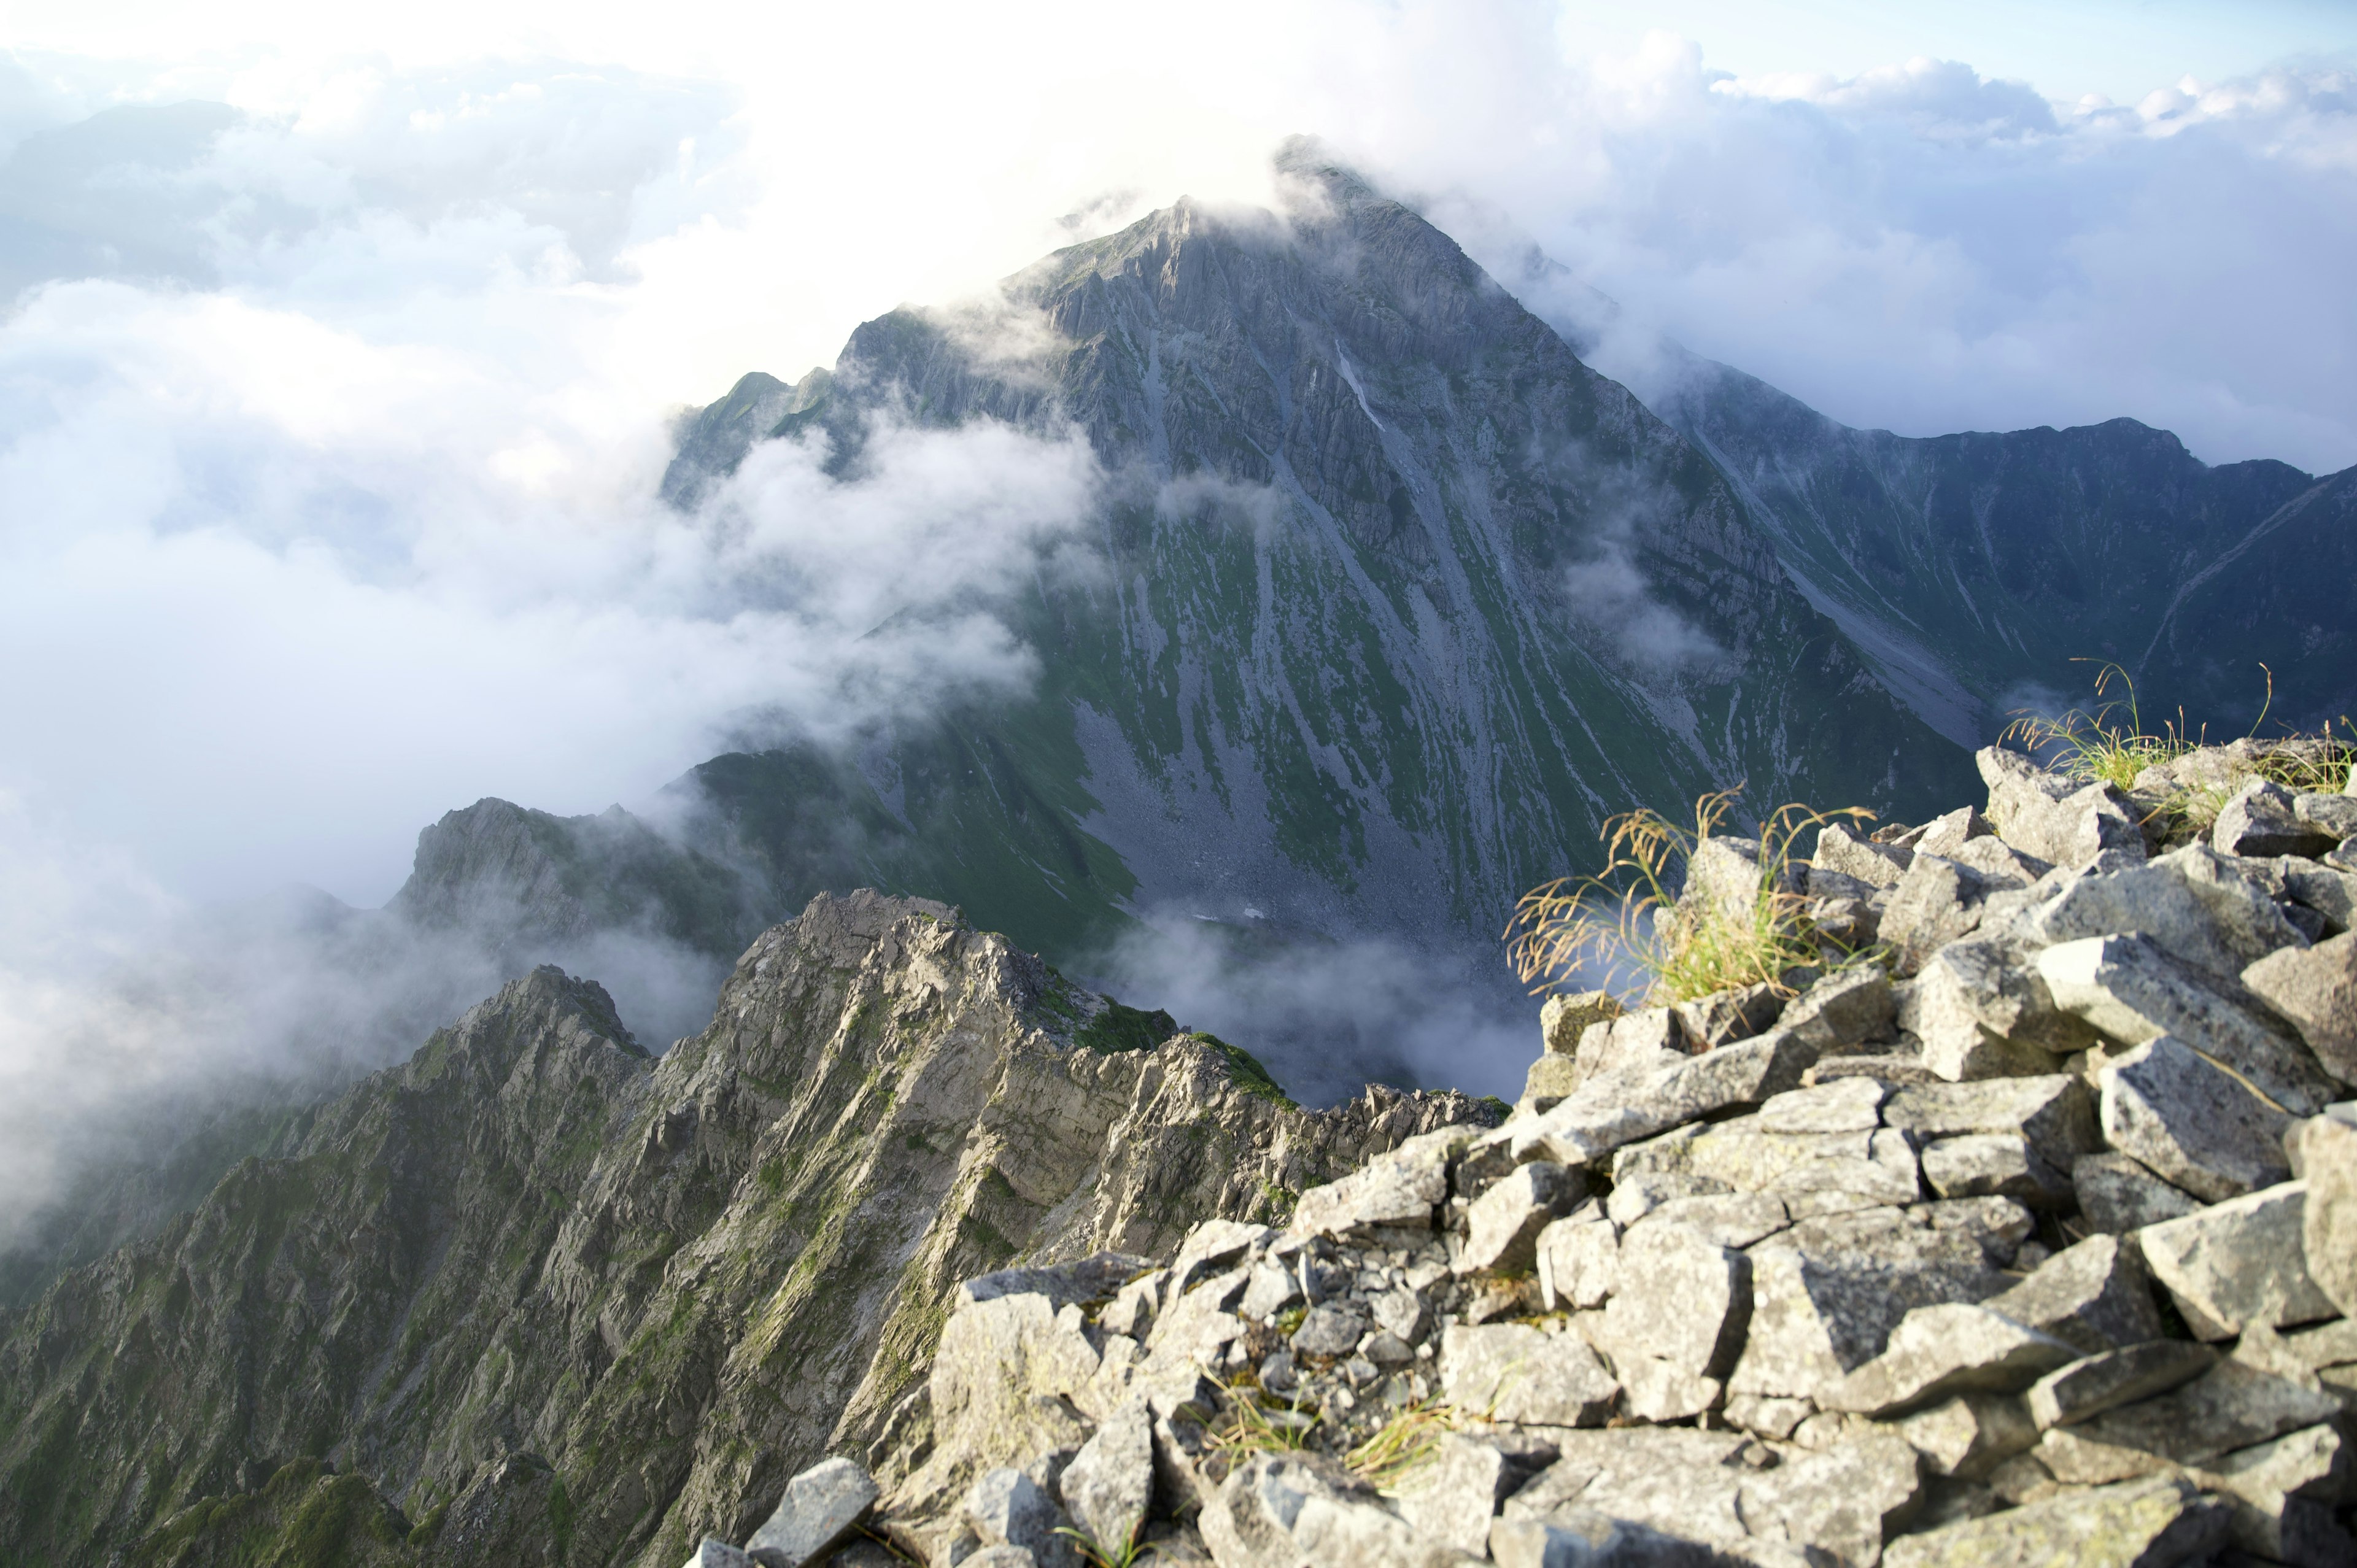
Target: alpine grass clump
(1629,914)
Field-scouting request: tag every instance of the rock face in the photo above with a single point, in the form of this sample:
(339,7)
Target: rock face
(536,1283)
(1793,1298)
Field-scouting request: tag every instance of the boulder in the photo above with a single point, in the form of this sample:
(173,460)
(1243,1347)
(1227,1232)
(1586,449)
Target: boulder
(1657,1390)
(1938,901)
(1969,1435)
(2057,820)
(1399,1189)
(822,1507)
(1682,1297)
(2086,1388)
(2261,820)
(2238,1262)
(1285,1510)
(1983,1010)
(2116,1194)
(1847,1105)
(1007,1507)
(2329,1213)
(1563,1019)
(1648,1037)
(1847,1008)
(2315,989)
(1623,1106)
(1947,1349)
(2231,1406)
(2152,1523)
(1109,1485)
(2282,1494)
(1947,834)
(1730,1220)
(1578,1263)
(2194,904)
(2129,989)
(2194,1123)
(1843,852)
(1502,1225)
(2051,1112)
(1724,1017)
(2094,1295)
(1810,1171)
(2332,894)
(1452,1496)
(1978,1165)
(1511,1372)
(1840,1504)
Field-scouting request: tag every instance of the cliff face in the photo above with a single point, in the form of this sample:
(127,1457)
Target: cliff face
(1402,600)
(534,1283)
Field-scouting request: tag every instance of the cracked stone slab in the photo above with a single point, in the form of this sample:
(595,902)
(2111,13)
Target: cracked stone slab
(2153,1523)
(2094,1295)
(2192,1121)
(1947,1349)
(2239,1262)
(2086,1388)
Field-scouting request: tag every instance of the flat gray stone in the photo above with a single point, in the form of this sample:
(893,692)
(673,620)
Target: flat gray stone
(1502,1225)
(1397,1190)
(1983,1164)
(2283,1492)
(1007,1507)
(1681,1297)
(2330,892)
(2116,1194)
(1563,1019)
(1969,1435)
(2059,820)
(1846,1009)
(1725,1017)
(1840,850)
(2238,1262)
(1845,1105)
(2316,989)
(2194,905)
(1843,1502)
(2157,1522)
(2261,820)
(1939,900)
(1660,1391)
(2094,1295)
(1110,1483)
(2051,1111)
(2086,1388)
(1511,1372)
(1953,1348)
(2191,1121)
(1627,1105)
(822,1507)
(1452,1496)
(2129,989)
(2334,814)
(2329,1214)
(1732,1220)
(1329,1328)
(1578,1263)
(1582,1538)
(2229,1407)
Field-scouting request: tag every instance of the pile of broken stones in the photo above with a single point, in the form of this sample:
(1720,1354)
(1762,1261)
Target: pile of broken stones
(2035,1243)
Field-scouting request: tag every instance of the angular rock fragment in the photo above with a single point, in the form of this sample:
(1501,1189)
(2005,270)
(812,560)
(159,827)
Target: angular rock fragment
(1648,1038)
(2094,1295)
(1514,1372)
(1937,901)
(1397,1189)
(1578,1263)
(1581,1538)
(1981,1165)
(1969,1435)
(2191,1121)
(2116,1194)
(2133,991)
(2260,821)
(1840,850)
(715,1552)
(2332,894)
(821,1508)
(2229,1407)
(1983,1010)
(1847,1008)
(1110,1483)
(1281,1511)
(2238,1262)
(1657,1390)
(1725,1017)
(1682,1297)
(1733,1220)
(1453,1496)
(1563,1019)
(2334,814)
(1847,1105)
(1330,1329)
(1007,1507)
(1844,1502)
(2315,989)
(2052,817)
(2050,1111)
(1948,1349)
(1625,1106)
(2329,1213)
(1503,1224)
(2154,1523)
(2086,1388)
(2194,905)
(2282,1492)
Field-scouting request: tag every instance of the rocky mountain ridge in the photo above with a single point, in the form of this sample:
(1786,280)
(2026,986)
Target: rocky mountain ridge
(2033,1239)
(535,1289)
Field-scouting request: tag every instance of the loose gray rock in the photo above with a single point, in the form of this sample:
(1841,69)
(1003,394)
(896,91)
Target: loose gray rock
(2084,1389)
(2094,1295)
(1397,1190)
(2329,1213)
(1981,1165)
(1657,1390)
(716,1553)
(1938,901)
(1734,1220)
(2052,1113)
(2154,1523)
(2261,821)
(1007,1507)
(2334,814)
(1563,1019)
(1502,1225)
(1842,850)
(2052,817)
(822,1507)
(1982,1011)
(1969,1435)
(1511,1372)
(2315,989)
(1110,1482)
(1682,1297)
(1948,1349)
(1847,1008)
(2238,1262)
(1630,1104)
(2133,991)
(1330,1329)
(2332,894)
(2196,1125)
(1725,1017)
(1846,1105)
(1581,1538)
(1578,1263)
(2116,1194)
(2195,904)
(1089,1279)
(2282,1493)
(1452,1496)
(2229,1407)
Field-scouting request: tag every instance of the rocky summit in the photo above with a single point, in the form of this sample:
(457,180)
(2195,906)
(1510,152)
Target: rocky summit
(2032,1241)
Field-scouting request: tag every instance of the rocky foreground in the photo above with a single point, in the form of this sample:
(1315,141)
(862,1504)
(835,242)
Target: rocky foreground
(2035,1243)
